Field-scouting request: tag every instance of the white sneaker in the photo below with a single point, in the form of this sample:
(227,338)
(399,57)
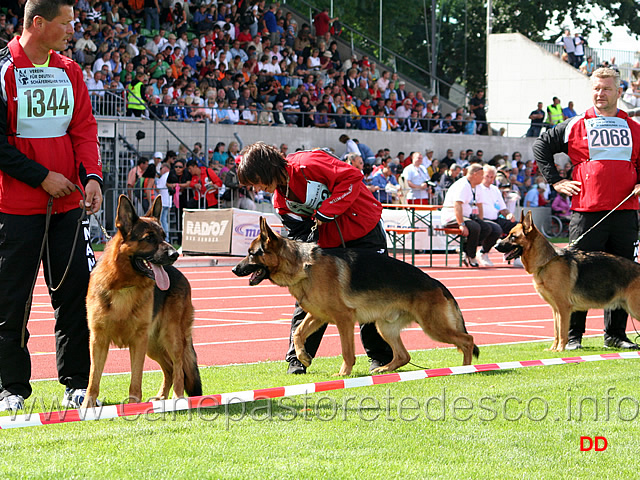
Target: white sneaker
(484,261)
(518,263)
(12,403)
(73,398)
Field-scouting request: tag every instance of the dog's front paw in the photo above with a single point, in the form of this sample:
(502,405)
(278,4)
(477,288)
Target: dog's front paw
(305,358)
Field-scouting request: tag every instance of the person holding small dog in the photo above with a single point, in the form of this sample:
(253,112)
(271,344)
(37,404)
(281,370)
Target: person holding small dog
(321,199)
(48,147)
(604,147)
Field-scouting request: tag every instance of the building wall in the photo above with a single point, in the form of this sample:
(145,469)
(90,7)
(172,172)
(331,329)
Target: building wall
(521,74)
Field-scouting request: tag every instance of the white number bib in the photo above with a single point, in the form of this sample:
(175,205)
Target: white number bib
(45,102)
(316,194)
(609,138)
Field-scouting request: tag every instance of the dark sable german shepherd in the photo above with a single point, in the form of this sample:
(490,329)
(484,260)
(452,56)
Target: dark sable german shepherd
(571,280)
(347,286)
(136,299)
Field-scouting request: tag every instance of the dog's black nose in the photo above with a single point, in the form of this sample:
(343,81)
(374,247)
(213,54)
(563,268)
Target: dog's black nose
(173,255)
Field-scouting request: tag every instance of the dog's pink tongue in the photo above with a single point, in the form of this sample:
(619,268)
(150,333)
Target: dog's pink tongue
(162,279)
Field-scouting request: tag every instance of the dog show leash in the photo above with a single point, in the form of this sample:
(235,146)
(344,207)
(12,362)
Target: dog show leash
(45,242)
(574,242)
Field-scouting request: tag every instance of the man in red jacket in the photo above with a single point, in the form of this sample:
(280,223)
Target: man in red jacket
(48,136)
(604,147)
(204,181)
(312,187)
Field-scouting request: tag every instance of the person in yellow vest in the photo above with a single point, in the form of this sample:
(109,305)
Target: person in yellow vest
(135,96)
(554,113)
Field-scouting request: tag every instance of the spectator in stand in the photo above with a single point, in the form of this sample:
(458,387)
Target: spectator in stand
(537,121)
(569,46)
(477,108)
(412,123)
(568,111)
(352,146)
(367,154)
(163,191)
(367,121)
(322,22)
(271,23)
(554,113)
(588,66)
(453,174)
(204,182)
(417,178)
(385,185)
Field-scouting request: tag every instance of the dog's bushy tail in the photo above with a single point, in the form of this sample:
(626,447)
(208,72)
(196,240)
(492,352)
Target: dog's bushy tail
(192,382)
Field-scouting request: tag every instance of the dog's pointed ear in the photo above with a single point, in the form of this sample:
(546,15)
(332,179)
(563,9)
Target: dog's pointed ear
(527,223)
(126,215)
(522,215)
(156,209)
(266,234)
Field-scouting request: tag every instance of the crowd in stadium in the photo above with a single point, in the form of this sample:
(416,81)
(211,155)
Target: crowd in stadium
(240,63)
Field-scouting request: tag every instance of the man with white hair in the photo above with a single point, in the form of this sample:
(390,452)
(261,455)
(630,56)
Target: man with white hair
(462,209)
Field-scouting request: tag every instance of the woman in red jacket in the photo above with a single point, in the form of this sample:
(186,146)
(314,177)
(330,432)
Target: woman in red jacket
(314,187)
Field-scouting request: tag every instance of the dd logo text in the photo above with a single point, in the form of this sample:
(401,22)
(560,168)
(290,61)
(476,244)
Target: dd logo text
(599,444)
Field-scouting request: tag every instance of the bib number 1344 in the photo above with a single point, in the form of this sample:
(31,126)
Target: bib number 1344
(46,102)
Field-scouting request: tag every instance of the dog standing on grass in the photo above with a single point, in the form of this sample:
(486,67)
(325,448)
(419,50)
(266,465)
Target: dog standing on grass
(137,299)
(572,280)
(345,286)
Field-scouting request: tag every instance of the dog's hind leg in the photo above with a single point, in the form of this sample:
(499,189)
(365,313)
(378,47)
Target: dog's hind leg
(390,332)
(309,325)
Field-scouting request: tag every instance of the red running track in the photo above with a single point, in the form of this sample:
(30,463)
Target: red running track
(236,323)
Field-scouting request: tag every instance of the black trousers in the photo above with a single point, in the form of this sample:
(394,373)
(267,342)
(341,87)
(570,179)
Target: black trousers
(20,242)
(374,345)
(481,233)
(618,235)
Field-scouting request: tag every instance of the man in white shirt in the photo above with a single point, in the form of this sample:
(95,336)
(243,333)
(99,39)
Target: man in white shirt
(494,210)
(417,178)
(161,187)
(461,209)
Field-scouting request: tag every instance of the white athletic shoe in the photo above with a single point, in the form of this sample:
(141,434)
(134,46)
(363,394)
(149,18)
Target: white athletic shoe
(73,398)
(518,263)
(484,261)
(12,403)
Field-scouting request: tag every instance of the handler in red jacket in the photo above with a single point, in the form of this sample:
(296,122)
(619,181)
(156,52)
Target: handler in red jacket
(48,135)
(604,147)
(315,187)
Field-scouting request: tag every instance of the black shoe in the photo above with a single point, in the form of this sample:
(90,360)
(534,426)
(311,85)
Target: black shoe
(574,344)
(623,343)
(296,368)
(376,364)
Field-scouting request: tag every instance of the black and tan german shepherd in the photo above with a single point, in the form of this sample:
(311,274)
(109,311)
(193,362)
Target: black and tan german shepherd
(348,285)
(570,280)
(137,299)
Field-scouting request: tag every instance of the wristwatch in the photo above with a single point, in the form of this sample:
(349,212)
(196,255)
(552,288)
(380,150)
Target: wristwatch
(461,225)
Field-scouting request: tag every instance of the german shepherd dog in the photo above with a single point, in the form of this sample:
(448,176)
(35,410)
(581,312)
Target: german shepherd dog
(570,280)
(345,286)
(137,299)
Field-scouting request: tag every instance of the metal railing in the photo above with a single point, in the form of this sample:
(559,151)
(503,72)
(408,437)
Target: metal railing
(626,61)
(214,115)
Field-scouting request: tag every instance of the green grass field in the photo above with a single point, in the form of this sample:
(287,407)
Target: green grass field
(523,423)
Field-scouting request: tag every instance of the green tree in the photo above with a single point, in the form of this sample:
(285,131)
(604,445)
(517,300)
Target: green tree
(461,29)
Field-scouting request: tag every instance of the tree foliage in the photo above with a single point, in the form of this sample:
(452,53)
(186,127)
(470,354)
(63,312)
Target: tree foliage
(461,28)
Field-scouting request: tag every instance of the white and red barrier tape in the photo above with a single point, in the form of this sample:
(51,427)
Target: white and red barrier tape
(210,401)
